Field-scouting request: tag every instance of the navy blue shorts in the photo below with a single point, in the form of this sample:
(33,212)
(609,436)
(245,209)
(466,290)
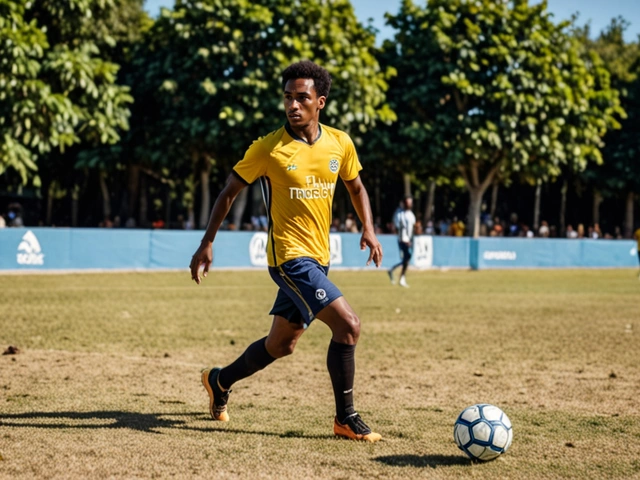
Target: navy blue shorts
(304,290)
(405,251)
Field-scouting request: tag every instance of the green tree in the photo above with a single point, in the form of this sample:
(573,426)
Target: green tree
(619,175)
(210,70)
(495,86)
(55,89)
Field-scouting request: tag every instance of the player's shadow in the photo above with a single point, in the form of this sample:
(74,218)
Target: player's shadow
(142,422)
(431,461)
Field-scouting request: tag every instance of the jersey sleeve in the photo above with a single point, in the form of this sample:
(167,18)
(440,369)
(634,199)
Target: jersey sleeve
(350,167)
(254,163)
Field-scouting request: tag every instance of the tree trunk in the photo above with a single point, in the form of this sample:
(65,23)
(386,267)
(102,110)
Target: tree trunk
(536,207)
(597,200)
(106,200)
(475,205)
(75,195)
(477,187)
(144,210)
(494,198)
(50,197)
(628,215)
(133,185)
(167,208)
(205,201)
(406,178)
(563,209)
(429,208)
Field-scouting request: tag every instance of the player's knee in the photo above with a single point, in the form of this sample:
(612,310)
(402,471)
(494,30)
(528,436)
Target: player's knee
(282,349)
(351,327)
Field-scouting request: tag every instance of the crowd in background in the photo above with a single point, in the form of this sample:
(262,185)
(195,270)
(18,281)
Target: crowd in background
(454,227)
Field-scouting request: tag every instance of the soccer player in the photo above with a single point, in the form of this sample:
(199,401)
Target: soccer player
(298,166)
(405,222)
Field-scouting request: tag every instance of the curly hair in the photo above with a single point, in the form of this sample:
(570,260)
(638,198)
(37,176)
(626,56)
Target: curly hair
(308,69)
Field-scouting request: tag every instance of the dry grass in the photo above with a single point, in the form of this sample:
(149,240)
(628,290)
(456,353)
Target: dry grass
(107,384)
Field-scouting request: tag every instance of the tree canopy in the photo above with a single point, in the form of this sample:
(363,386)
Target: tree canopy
(497,86)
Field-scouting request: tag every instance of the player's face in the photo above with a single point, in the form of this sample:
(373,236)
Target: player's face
(301,102)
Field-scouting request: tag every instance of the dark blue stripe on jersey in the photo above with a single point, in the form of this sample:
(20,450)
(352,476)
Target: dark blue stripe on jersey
(265,185)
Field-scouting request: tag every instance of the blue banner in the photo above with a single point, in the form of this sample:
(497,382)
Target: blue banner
(77,249)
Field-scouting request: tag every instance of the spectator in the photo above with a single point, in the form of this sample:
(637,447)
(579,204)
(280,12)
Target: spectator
(429,229)
(3,223)
(443,226)
(596,231)
(335,225)
(15,215)
(580,230)
(571,233)
(514,228)
(543,231)
(350,224)
(617,233)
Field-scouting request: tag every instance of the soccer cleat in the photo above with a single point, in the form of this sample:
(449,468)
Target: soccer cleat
(355,429)
(390,273)
(403,283)
(217,397)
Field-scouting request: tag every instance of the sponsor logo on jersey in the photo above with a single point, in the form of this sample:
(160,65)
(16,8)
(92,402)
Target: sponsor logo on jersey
(316,188)
(334,165)
(291,167)
(29,250)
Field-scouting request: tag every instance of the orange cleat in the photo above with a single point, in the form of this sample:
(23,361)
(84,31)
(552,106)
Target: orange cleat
(218,398)
(354,428)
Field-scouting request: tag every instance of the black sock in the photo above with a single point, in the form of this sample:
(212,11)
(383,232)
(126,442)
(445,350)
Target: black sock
(254,358)
(342,368)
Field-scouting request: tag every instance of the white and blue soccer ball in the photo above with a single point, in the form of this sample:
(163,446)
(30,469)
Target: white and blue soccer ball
(483,432)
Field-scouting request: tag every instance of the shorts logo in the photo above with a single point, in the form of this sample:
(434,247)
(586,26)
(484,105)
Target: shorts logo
(321,294)
(334,165)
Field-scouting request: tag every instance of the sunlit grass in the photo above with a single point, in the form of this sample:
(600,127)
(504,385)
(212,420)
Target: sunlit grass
(107,384)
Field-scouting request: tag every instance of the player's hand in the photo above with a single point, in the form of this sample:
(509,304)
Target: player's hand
(369,239)
(203,256)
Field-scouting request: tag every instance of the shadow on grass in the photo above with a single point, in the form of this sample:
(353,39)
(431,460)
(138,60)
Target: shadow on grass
(432,461)
(142,422)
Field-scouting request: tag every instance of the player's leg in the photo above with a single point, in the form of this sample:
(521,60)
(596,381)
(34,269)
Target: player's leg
(393,269)
(281,341)
(406,257)
(345,327)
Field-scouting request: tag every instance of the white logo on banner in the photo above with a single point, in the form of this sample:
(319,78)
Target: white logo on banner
(423,251)
(29,250)
(335,247)
(499,255)
(258,249)
(633,252)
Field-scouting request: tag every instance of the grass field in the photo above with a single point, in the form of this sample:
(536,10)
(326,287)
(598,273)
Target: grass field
(107,383)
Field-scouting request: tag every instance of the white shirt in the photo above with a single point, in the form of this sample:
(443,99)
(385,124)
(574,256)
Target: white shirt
(405,221)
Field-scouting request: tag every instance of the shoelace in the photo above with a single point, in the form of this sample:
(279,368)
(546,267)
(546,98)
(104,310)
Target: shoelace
(357,425)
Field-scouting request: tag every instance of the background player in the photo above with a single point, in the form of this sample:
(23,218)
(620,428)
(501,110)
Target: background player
(405,222)
(298,166)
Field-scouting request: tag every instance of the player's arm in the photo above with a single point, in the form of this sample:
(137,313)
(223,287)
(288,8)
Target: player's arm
(204,254)
(360,201)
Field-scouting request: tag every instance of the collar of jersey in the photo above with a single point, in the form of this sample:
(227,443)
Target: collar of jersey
(292,134)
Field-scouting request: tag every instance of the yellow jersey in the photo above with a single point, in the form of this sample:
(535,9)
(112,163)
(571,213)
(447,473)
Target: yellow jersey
(298,183)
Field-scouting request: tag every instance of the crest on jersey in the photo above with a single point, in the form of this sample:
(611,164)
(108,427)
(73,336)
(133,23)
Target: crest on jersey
(334,165)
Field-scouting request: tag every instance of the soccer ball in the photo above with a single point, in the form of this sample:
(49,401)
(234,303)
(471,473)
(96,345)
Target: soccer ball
(483,431)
